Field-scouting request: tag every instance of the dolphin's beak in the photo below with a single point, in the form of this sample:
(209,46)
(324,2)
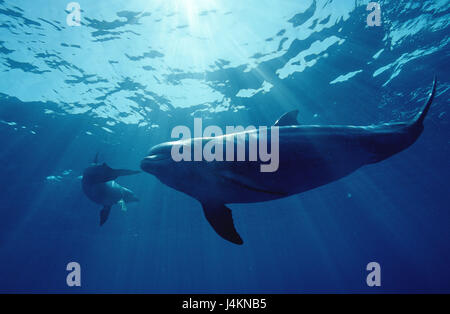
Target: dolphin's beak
(158,156)
(152,161)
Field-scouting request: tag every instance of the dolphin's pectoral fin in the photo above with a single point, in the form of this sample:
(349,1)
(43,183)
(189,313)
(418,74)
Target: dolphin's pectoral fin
(289,118)
(104,214)
(123,205)
(245,183)
(221,219)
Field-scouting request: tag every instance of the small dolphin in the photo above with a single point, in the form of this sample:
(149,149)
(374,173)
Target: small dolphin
(309,156)
(99,186)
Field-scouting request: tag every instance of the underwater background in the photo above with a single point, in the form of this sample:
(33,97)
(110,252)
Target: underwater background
(135,69)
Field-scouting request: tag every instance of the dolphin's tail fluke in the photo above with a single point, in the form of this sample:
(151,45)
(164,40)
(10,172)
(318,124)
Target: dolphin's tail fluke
(104,173)
(123,172)
(104,214)
(420,116)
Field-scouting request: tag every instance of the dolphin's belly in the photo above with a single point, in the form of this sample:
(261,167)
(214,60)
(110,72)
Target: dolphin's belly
(243,182)
(302,167)
(271,186)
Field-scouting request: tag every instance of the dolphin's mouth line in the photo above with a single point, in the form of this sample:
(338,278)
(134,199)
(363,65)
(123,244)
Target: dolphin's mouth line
(156,157)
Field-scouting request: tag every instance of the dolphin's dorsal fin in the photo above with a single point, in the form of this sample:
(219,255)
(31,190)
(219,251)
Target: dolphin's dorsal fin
(289,118)
(220,218)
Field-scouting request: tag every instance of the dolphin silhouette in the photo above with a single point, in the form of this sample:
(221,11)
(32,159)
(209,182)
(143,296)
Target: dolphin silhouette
(309,156)
(99,186)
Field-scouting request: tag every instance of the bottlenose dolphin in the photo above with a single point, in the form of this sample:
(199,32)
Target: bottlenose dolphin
(99,186)
(309,156)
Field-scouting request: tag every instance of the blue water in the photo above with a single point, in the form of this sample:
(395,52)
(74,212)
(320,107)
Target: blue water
(135,69)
